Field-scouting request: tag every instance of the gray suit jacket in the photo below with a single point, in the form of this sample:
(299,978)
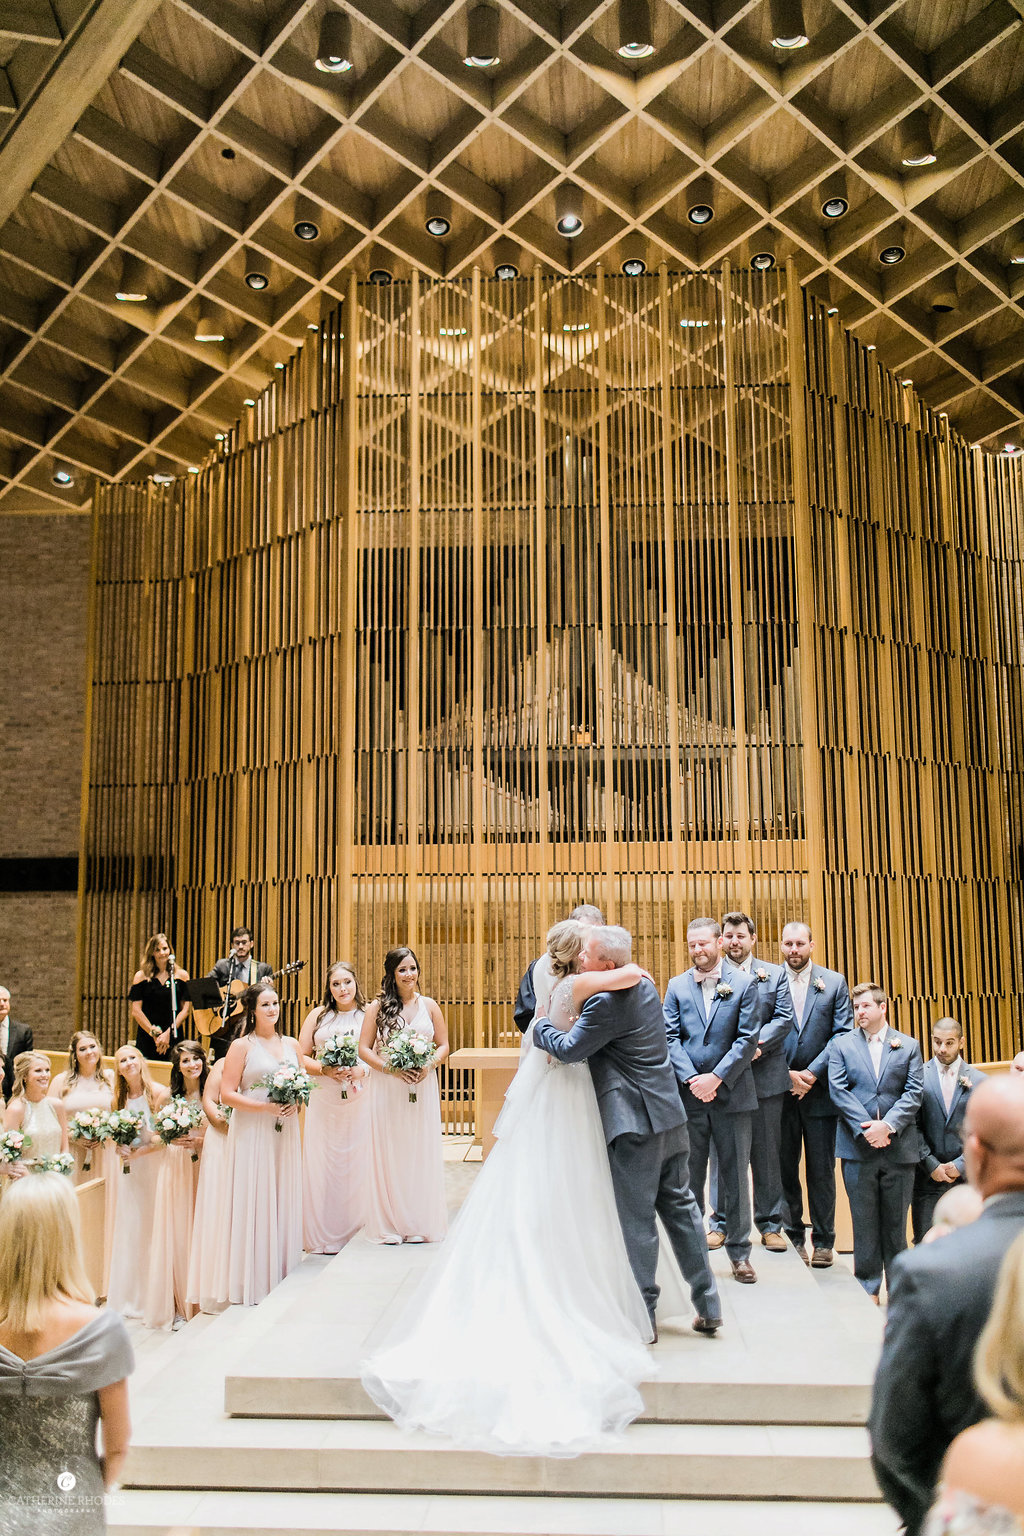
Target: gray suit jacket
(924,1390)
(941,1134)
(828,1013)
(723,1041)
(895,1097)
(771,1069)
(622,1035)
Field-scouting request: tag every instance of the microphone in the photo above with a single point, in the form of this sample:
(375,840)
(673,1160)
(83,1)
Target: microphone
(170,962)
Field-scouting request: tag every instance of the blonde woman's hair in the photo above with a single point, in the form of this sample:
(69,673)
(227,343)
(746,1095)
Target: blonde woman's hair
(999,1359)
(564,941)
(72,1074)
(121,1089)
(40,1250)
(22,1067)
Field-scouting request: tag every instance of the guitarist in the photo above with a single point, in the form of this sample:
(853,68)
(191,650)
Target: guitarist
(233,974)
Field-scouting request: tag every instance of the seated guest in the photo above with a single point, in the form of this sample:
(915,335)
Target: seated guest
(874,1077)
(958,1207)
(939,1302)
(948,1081)
(982,1490)
(14,1038)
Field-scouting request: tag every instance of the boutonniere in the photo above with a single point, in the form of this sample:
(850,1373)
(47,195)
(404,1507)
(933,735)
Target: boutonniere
(761,975)
(723,989)
(819,985)
(894,1045)
(964,1081)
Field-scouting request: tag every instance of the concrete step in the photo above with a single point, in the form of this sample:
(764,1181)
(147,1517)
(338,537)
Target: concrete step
(723,1461)
(313,1514)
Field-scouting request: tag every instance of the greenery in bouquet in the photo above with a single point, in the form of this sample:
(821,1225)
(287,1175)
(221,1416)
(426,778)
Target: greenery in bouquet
(124,1129)
(288,1085)
(13,1146)
(60,1162)
(179,1117)
(340,1050)
(408,1051)
(90,1126)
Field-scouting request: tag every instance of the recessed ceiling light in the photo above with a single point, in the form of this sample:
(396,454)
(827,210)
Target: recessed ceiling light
(505,254)
(833,309)
(307,223)
(834,201)
(635,36)
(257,271)
(208,327)
(568,213)
(279,365)
(916,140)
(227,153)
(871,346)
(162,477)
(311,325)
(193,469)
(62,473)
(249,400)
(219,437)
(334,48)
(482,39)
(700,213)
(1017,259)
(762,261)
(634,266)
(133,287)
(439,214)
(891,255)
(787,23)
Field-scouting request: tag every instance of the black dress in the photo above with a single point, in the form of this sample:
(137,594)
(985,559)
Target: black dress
(155,998)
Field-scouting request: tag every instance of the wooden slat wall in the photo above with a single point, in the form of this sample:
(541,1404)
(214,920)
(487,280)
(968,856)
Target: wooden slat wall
(508,596)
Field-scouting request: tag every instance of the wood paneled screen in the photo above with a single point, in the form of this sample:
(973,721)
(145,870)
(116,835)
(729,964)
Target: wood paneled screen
(653,592)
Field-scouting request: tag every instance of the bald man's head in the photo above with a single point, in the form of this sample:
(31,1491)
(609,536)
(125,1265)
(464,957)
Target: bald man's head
(994,1135)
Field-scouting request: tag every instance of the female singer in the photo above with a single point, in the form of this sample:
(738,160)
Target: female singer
(158,1019)
(335,1142)
(266,1175)
(174,1211)
(41,1119)
(136,1193)
(211,1229)
(405,1187)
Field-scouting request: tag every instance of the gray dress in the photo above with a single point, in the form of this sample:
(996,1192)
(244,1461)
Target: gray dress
(50,1478)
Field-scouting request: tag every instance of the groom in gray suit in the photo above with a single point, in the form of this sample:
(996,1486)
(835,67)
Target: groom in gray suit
(622,1035)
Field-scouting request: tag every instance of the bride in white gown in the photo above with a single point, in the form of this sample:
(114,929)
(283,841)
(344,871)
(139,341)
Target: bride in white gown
(527,1334)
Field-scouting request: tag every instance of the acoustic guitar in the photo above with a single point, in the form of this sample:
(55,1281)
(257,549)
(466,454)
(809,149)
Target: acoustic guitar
(210,1020)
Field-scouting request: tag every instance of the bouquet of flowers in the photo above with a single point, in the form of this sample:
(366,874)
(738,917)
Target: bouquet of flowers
(340,1050)
(179,1117)
(407,1051)
(288,1085)
(60,1162)
(124,1128)
(13,1146)
(90,1126)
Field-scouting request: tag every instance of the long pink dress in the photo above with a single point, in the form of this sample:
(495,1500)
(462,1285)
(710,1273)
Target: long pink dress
(211,1231)
(405,1187)
(266,1187)
(173,1217)
(334,1150)
(133,1226)
(95,1093)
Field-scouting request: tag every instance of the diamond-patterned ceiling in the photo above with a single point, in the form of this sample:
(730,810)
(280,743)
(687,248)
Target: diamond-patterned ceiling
(193,134)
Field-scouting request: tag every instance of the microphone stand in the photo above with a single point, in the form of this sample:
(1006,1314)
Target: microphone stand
(174,1001)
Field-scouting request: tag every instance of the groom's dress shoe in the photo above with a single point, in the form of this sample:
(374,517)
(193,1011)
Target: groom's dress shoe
(708,1325)
(743,1271)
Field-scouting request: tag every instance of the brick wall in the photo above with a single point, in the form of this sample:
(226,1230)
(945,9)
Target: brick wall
(44,580)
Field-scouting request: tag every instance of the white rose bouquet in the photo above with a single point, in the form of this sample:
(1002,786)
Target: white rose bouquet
(408,1051)
(13,1146)
(288,1085)
(179,1117)
(90,1126)
(60,1162)
(124,1129)
(340,1050)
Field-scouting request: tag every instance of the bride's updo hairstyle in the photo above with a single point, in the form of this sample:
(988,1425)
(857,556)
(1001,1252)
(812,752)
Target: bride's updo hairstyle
(564,941)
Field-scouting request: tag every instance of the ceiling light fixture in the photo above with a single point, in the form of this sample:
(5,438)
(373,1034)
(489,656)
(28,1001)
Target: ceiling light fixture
(763,260)
(257,271)
(635,37)
(892,254)
(834,201)
(439,214)
(163,476)
(506,260)
(946,297)
(334,49)
(62,473)
(700,208)
(250,400)
(1017,259)
(787,19)
(833,309)
(133,288)
(916,147)
(208,326)
(482,40)
(306,225)
(568,213)
(380,263)
(634,266)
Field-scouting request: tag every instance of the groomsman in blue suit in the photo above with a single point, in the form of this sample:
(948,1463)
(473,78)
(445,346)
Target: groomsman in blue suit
(771,1084)
(876,1079)
(712,1016)
(948,1082)
(822,1011)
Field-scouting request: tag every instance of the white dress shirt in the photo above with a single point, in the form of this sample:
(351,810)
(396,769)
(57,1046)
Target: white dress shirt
(876,1045)
(799,982)
(707,983)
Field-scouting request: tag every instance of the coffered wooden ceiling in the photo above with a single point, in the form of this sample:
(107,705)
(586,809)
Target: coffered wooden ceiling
(185,132)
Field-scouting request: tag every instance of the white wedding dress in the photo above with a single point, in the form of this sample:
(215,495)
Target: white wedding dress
(527,1334)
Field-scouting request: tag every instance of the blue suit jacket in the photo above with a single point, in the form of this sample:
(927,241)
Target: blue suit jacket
(894,1098)
(722,1042)
(827,1015)
(941,1134)
(771,1068)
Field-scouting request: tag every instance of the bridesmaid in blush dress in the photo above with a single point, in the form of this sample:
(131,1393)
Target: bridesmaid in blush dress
(211,1229)
(136,1194)
(335,1140)
(174,1211)
(266,1171)
(405,1185)
(87,1084)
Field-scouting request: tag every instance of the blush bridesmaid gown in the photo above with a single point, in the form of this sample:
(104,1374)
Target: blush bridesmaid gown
(266,1187)
(405,1184)
(334,1150)
(173,1218)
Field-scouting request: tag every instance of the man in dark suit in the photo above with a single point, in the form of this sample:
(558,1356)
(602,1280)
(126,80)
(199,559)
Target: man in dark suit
(526,997)
(712,1016)
(948,1081)
(875,1077)
(622,1035)
(939,1302)
(821,1011)
(237,970)
(14,1038)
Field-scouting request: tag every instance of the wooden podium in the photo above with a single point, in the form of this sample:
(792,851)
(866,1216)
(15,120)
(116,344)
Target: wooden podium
(495,1067)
